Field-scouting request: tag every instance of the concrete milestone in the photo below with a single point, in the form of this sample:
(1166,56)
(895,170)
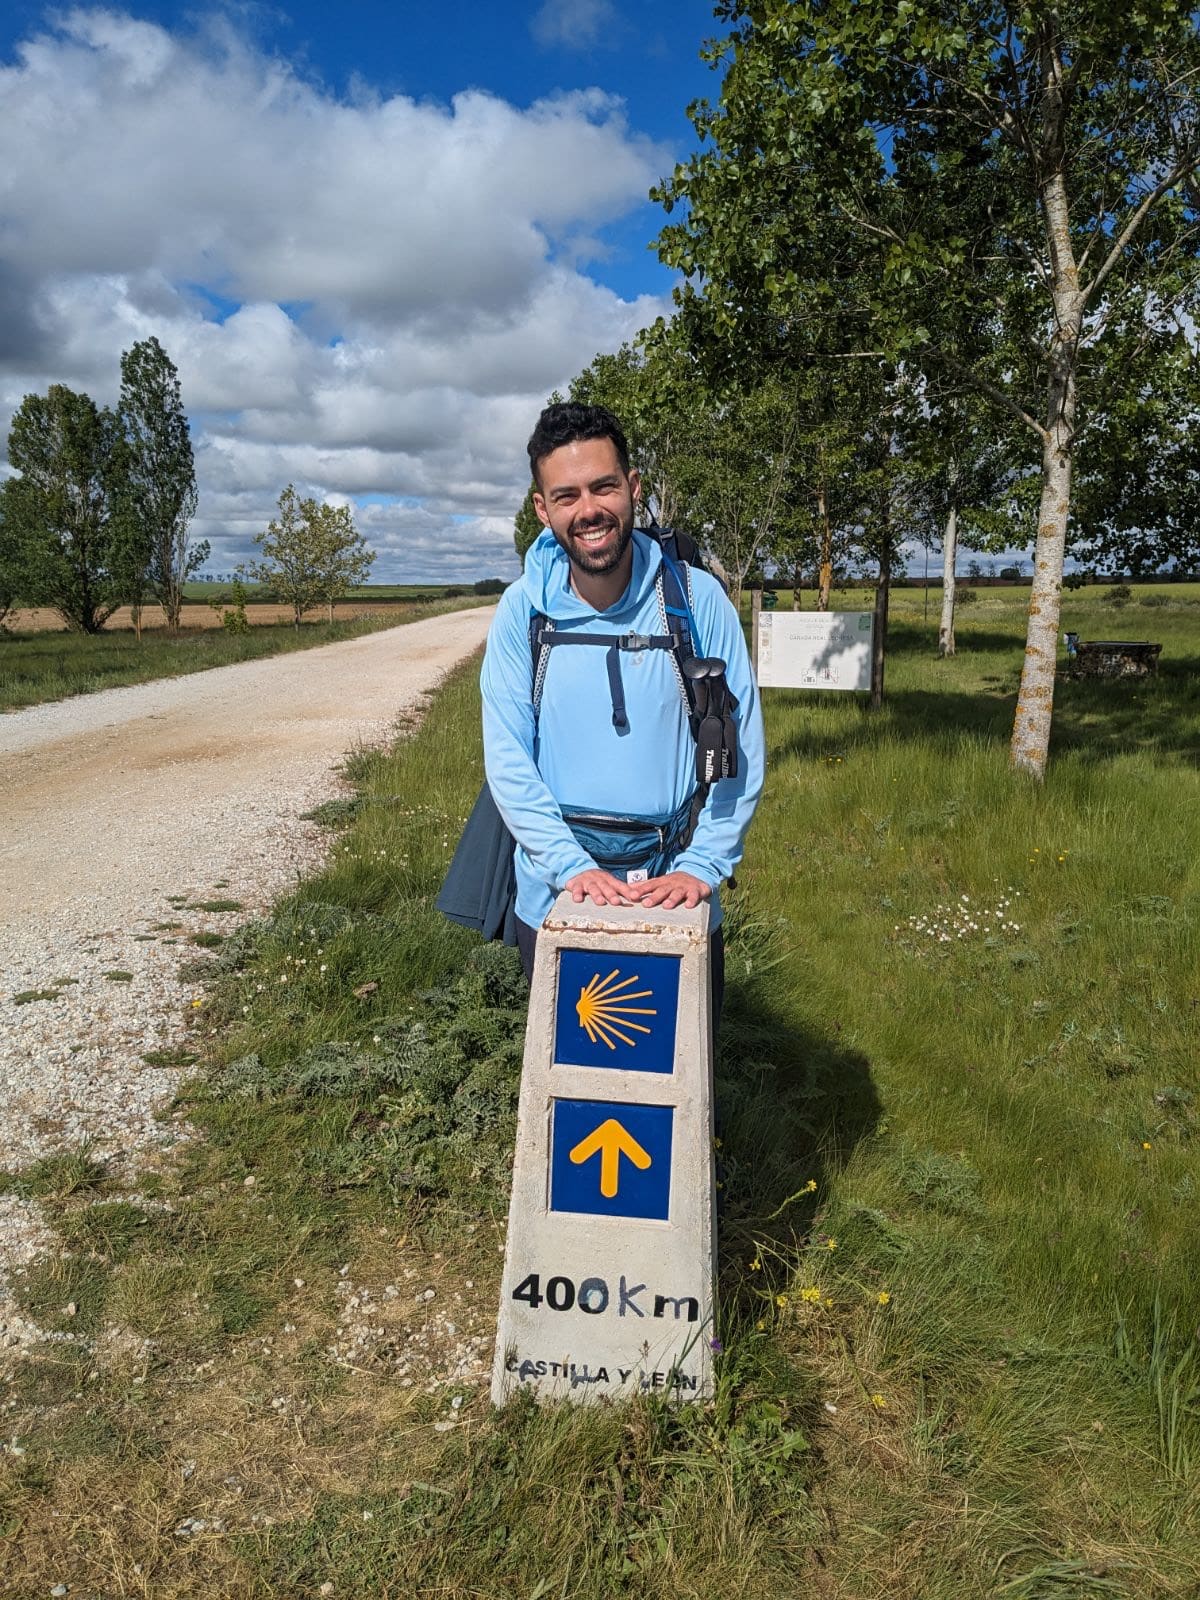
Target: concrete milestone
(609,1270)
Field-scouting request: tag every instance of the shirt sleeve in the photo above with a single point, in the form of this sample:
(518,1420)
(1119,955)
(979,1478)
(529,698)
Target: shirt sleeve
(530,811)
(716,845)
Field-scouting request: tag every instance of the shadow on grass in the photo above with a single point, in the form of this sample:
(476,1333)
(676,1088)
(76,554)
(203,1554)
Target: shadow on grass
(1095,719)
(792,1106)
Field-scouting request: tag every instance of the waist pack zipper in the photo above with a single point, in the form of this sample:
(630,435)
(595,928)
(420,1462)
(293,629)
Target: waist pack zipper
(615,825)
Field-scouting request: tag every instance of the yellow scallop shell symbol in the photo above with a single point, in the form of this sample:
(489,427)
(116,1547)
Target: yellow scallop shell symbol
(604,1009)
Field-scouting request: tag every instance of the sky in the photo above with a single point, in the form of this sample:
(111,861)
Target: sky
(373,238)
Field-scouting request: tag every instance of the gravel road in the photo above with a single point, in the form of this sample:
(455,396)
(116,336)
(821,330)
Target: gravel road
(120,812)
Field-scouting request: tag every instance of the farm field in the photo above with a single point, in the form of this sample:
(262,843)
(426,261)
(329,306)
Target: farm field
(957,1091)
(40,660)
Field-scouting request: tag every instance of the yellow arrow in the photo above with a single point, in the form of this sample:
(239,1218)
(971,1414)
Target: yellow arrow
(612,1141)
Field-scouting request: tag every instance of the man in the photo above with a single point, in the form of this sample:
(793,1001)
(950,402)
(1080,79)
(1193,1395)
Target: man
(596,756)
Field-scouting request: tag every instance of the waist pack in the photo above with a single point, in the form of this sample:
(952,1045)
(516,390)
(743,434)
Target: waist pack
(623,844)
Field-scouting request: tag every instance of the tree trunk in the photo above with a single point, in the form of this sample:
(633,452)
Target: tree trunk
(135,612)
(949,559)
(331,610)
(1035,702)
(797,586)
(825,574)
(879,636)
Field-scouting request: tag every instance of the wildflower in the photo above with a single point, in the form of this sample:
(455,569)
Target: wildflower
(715,1346)
(760,1325)
(781,1299)
(831,1244)
(1146,1145)
(879,1402)
(813,1296)
(811,1186)
(196,1003)
(717,1144)
(755,1265)
(828,1302)
(884,1297)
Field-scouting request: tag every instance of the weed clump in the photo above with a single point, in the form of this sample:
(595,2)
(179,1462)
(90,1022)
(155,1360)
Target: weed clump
(433,1088)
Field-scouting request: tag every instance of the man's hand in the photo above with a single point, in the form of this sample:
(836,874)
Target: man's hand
(602,888)
(673,889)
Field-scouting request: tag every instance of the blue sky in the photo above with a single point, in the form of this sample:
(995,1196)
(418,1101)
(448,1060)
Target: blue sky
(371,245)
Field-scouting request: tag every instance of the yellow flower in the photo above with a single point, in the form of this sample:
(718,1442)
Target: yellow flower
(755,1265)
(884,1297)
(811,1186)
(878,1401)
(196,1003)
(716,1144)
(828,1302)
(831,1244)
(781,1299)
(813,1296)
(760,1326)
(1146,1145)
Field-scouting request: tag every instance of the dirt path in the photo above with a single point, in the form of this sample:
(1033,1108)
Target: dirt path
(153,785)
(136,820)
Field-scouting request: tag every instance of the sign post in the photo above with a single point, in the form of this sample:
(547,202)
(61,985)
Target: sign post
(610,1263)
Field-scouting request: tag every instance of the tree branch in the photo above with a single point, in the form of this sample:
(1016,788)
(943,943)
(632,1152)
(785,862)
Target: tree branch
(1181,170)
(997,395)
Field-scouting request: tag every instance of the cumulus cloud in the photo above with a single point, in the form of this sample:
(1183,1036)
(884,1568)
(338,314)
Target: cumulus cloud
(367,297)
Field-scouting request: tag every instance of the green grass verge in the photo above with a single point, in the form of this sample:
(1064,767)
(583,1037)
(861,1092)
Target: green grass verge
(36,667)
(959,1186)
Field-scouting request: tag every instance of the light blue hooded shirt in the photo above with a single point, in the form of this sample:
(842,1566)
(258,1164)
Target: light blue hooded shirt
(572,756)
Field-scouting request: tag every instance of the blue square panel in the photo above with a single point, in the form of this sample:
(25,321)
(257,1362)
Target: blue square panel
(616,1010)
(611,1160)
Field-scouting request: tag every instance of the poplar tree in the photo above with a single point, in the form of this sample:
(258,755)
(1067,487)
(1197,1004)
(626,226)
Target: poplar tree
(872,169)
(159,490)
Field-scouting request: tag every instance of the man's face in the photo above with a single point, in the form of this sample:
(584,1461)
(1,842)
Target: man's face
(586,500)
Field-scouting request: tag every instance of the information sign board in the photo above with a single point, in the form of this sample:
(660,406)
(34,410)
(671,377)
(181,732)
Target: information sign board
(815,649)
(610,1260)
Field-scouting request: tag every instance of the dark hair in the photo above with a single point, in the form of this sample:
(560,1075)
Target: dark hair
(568,421)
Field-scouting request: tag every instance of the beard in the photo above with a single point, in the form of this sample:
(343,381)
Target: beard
(605,559)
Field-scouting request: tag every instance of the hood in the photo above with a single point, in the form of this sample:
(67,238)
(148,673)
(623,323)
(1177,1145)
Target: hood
(547,579)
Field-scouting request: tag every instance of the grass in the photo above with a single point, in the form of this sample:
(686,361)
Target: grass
(957,1242)
(36,667)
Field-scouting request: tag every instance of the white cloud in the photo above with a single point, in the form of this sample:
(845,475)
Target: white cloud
(402,274)
(575,24)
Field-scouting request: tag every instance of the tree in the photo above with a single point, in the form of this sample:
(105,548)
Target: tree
(310,553)
(159,491)
(1138,505)
(9,579)
(1037,162)
(527,525)
(58,514)
(732,484)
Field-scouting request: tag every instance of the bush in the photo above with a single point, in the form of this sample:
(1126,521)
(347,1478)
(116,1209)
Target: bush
(489,586)
(1074,580)
(964,597)
(1119,595)
(1155,600)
